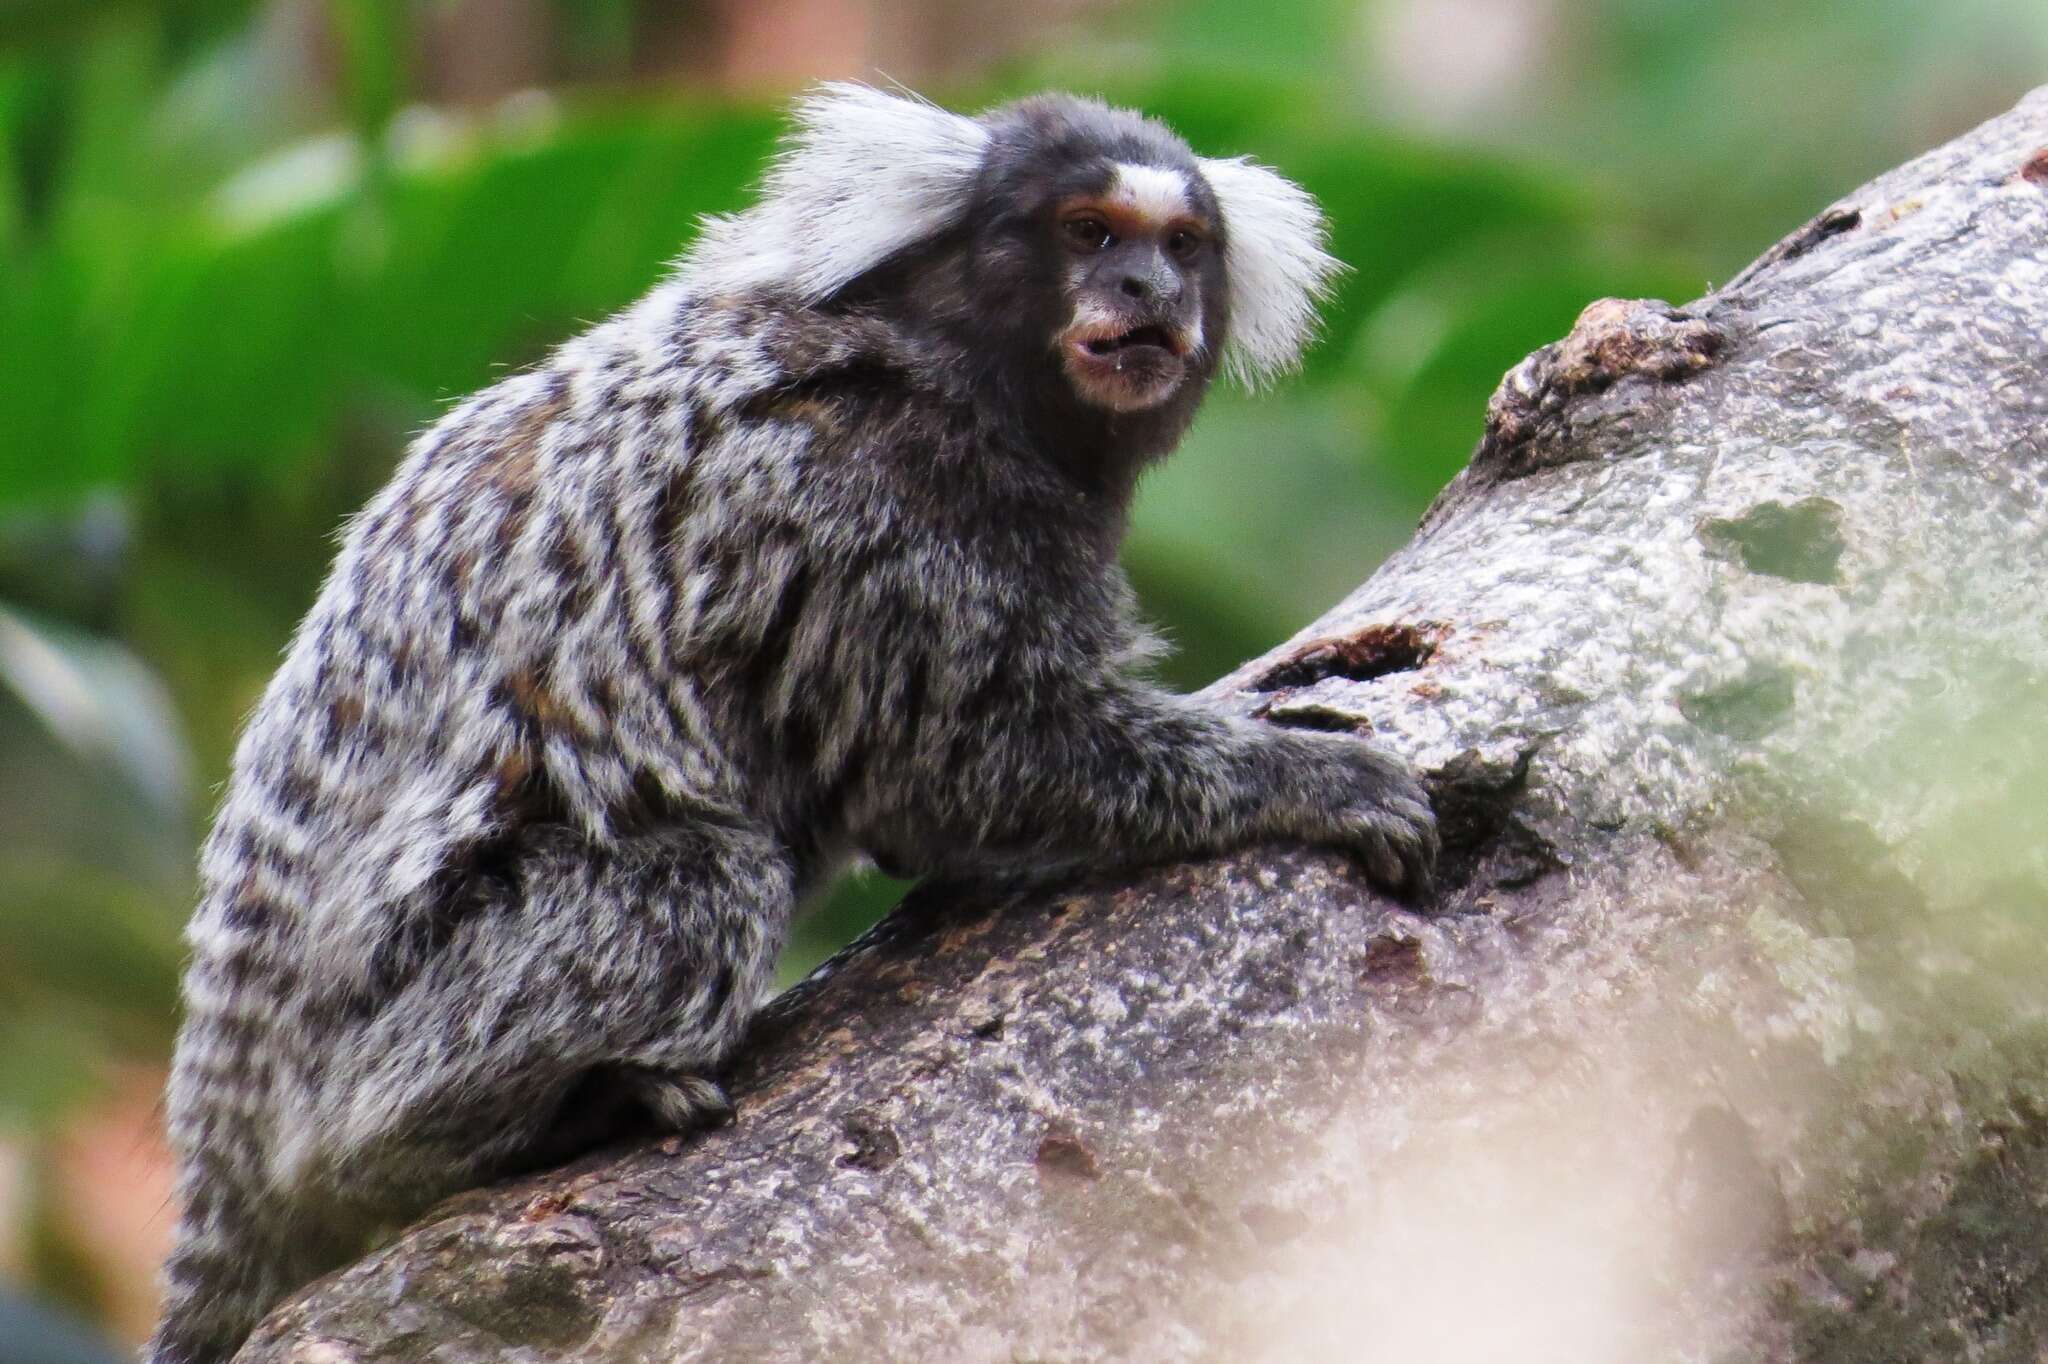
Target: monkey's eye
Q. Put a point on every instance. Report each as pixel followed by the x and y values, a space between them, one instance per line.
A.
pixel 1090 234
pixel 1183 243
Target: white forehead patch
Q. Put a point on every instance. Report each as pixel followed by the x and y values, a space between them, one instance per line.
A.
pixel 1152 192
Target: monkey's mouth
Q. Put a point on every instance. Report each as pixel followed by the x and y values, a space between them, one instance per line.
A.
pixel 1107 342
pixel 1137 338
pixel 1125 368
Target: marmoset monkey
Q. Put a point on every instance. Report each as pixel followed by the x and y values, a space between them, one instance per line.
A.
pixel 812 552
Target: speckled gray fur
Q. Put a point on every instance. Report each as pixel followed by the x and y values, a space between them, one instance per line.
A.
pixel 638 647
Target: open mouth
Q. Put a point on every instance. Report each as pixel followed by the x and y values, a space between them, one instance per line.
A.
pixel 1123 368
pixel 1150 335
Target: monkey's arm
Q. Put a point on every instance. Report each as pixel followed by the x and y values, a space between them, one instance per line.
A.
pixel 1105 769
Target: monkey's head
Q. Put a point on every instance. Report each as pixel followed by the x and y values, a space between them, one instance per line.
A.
pixel 1101 240
pixel 1089 259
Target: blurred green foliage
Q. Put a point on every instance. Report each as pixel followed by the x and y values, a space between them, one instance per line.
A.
pixel 227 297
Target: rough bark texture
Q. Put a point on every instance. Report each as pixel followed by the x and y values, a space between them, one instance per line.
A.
pixel 1726 1037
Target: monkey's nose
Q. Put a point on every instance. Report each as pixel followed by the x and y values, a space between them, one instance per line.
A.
pixel 1136 287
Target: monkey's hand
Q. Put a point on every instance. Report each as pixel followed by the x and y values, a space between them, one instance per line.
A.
pixel 1375 807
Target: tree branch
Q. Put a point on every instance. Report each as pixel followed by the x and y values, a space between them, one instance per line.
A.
pixel 1725 1034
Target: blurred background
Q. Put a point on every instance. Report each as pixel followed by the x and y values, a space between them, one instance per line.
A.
pixel 248 246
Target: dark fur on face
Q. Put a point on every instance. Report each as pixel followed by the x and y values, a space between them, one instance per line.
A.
pixel 1019 303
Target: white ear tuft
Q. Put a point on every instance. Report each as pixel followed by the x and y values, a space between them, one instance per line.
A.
pixel 863 175
pixel 1274 235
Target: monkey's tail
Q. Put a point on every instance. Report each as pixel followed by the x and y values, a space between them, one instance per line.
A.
pixel 241 1244
pixel 225 1271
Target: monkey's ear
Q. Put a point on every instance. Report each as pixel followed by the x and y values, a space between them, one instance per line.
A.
pixel 1274 235
pixel 861 176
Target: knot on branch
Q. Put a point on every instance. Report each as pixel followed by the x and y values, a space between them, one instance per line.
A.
pixel 1614 339
pixel 1539 418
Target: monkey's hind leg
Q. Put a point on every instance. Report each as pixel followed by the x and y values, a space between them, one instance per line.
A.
pixel 726 919
pixel 624 967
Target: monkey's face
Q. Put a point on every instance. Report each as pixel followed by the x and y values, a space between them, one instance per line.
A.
pixel 1138 260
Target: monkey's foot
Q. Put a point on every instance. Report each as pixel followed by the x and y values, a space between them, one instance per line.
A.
pixel 679 1101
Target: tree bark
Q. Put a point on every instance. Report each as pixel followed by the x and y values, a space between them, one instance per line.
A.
pixel 1725 1036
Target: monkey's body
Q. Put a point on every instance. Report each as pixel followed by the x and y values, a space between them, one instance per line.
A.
pixel 632 653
